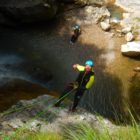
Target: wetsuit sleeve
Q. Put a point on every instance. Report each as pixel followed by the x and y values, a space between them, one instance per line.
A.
pixel 90 82
pixel 80 67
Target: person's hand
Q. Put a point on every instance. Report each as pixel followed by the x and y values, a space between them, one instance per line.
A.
pixel 75 84
pixel 74 66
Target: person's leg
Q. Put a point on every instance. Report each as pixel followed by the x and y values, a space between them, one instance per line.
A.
pixel 77 98
pixel 64 93
pixel 72 40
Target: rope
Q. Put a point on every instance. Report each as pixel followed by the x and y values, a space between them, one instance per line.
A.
pixel 31 105
pixel 65 95
pixel 41 113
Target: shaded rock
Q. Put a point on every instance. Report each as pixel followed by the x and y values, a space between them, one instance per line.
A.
pixel 131 49
pixel 26 11
pixel 129 37
pixel 67 1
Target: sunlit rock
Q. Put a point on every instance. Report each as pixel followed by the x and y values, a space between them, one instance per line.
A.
pixel 126 15
pixel 129 37
pixel 127 29
pixel 96 14
pixel 137 69
pixel 105 26
pixel 126 22
pixel 114 20
pixel 129 5
pixel 131 49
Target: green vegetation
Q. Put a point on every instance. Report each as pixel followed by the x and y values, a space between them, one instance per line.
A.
pixel 82 132
pixel 86 132
pixel 35 136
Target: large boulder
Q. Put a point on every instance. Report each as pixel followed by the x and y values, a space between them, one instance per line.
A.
pixel 26 11
pixel 132 17
pixel 131 49
pixel 33 115
pixel 129 5
pixel 95 14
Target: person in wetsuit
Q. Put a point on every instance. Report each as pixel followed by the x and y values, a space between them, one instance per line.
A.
pixel 76 33
pixel 83 82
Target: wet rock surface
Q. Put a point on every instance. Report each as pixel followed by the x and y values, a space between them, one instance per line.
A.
pixel 26 11
pixel 131 49
pixel 39 115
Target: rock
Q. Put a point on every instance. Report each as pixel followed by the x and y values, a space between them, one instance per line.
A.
pixel 35 125
pixel 118 30
pixel 89 2
pixel 138 37
pixel 126 22
pixel 129 37
pixel 109 2
pixel 95 14
pixel 13 123
pixel 126 15
pixel 55 117
pixel 114 20
pixel 133 15
pixel 128 5
pixel 131 49
pixel 137 69
pixel 127 29
pixel 105 26
pixel 119 35
pixel 27 11
pixel 130 23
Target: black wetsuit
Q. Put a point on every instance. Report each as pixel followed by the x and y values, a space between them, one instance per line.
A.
pixel 75 35
pixel 82 80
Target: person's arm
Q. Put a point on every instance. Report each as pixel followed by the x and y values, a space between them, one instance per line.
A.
pixel 79 67
pixel 90 82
